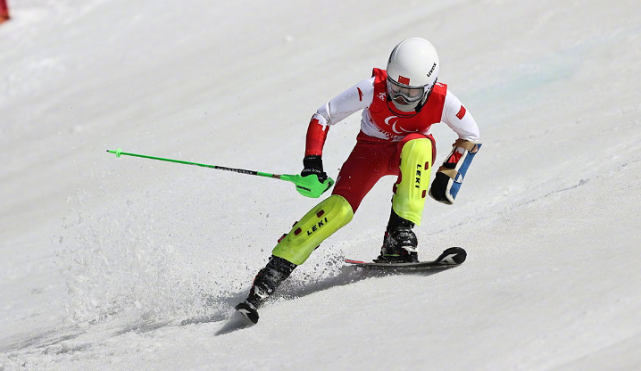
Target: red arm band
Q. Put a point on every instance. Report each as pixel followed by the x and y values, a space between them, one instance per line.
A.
pixel 316 135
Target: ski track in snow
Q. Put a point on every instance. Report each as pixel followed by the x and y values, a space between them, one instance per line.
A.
pixel 130 264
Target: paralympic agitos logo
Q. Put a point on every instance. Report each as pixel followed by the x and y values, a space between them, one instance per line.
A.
pixel 393 125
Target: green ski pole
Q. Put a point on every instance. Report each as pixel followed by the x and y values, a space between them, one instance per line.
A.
pixel 307 186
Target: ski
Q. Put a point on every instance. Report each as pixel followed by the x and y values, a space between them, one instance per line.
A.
pixel 452 257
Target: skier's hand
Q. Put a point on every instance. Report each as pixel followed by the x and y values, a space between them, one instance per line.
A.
pixel 440 189
pixel 313 165
pixel 313 181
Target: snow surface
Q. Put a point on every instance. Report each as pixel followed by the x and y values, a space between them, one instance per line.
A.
pixel 103 258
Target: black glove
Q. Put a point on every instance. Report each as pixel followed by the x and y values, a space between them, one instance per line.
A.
pixel 438 189
pixel 314 166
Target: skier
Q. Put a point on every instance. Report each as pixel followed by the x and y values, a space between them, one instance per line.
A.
pixel 399 106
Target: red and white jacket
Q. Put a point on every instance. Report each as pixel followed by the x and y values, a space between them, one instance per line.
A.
pixel 379 122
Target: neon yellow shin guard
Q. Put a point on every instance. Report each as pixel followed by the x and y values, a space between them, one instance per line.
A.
pixel 416 166
pixel 318 224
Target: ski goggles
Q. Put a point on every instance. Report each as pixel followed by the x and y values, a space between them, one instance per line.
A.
pixel 409 93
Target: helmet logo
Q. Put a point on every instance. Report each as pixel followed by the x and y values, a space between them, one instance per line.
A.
pixel 432 70
pixel 404 80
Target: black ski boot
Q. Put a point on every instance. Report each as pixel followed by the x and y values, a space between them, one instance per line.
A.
pixel 400 243
pixel 267 280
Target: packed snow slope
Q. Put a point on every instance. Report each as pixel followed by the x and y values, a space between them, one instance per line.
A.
pixel 103 258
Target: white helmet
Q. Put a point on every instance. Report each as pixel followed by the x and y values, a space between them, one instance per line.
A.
pixel 412 71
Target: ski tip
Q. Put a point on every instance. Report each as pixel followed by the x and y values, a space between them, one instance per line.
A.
pixel 453 256
pixel 248 311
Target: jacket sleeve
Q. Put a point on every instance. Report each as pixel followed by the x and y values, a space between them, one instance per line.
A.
pixel 337 109
pixel 459 119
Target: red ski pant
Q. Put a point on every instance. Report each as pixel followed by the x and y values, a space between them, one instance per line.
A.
pixel 370 160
